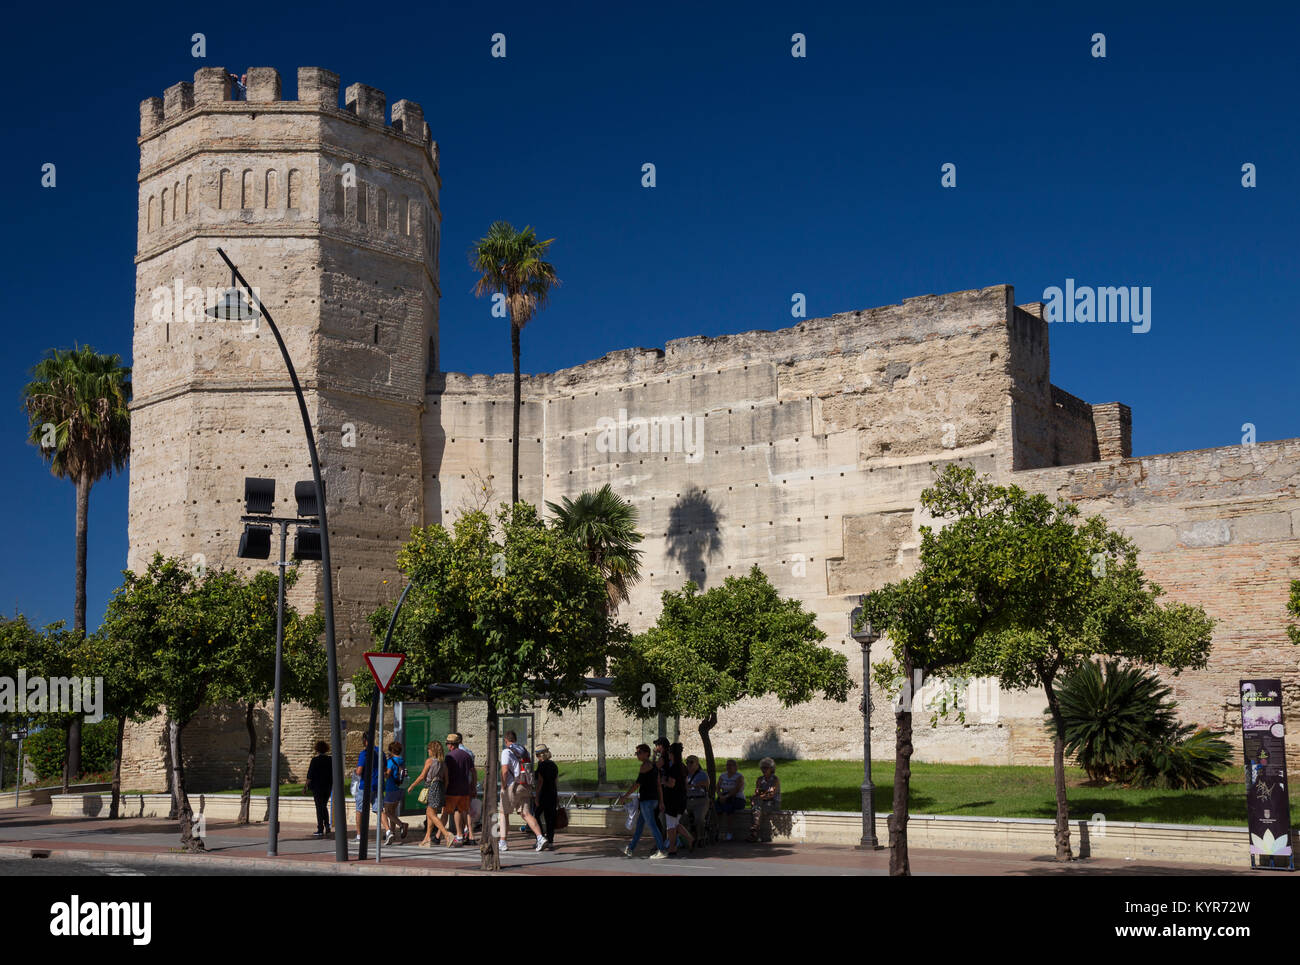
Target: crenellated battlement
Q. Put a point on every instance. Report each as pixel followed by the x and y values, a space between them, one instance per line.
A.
pixel 318 90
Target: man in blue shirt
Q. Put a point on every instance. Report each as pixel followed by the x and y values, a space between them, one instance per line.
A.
pixel 357 775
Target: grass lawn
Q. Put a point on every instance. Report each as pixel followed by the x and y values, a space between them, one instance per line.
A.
pixel 960 789
pixel 967 789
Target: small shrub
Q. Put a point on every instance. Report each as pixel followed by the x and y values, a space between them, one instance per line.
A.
pixel 1191 760
pixel 1120 726
pixel 1109 717
pixel 47 748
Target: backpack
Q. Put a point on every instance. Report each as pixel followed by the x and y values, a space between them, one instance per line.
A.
pixel 525 764
pixel 398 770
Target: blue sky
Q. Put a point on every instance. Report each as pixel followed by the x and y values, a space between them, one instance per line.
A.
pixel 775 175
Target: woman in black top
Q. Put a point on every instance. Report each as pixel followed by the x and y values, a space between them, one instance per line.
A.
pixel 320 781
pixel 548 793
pixel 647 786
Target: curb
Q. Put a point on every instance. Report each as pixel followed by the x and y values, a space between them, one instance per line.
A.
pixel 352 867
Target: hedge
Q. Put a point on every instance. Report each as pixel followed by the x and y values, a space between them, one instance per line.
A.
pixel 47 748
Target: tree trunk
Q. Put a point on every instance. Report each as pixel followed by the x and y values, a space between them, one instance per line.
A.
pixel 79 612
pixel 600 741
pixel 171 774
pixel 189 841
pixel 115 806
pixel 898 860
pixel 710 764
pixel 490 856
pixel 248 765
pixel 1063 852
pixel 514 440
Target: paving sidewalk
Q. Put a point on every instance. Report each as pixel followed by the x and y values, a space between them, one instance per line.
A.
pixel 230 846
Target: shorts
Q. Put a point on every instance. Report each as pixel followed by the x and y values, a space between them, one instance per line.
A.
pixel 374 801
pixel 516 798
pixel 672 820
pixel 457 802
pixel 394 797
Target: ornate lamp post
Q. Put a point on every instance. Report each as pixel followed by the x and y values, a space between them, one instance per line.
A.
pixel 866 635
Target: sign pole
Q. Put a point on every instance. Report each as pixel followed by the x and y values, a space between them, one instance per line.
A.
pixel 18 775
pixel 381 758
pixel 383 667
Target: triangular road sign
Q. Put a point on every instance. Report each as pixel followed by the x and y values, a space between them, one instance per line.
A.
pixel 383 667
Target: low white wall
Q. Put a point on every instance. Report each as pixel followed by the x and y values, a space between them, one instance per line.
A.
pixel 1120 840
pixel 43 795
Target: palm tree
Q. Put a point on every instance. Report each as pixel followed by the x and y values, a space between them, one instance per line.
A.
pixel 77 408
pixel 604 524
pixel 511 263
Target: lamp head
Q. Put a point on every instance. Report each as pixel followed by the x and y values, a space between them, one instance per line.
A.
pixel 232 306
pixel 867 634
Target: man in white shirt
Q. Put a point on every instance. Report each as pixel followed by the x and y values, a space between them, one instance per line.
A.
pixel 516 791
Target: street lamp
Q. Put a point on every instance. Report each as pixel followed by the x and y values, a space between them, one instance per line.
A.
pixel 255 544
pixel 866 636
pixel 233 307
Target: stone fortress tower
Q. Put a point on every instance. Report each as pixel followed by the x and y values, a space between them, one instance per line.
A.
pixel 802 451
pixel 332 213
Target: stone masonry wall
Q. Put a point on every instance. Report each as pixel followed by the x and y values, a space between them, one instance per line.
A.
pixel 332 215
pixel 801 451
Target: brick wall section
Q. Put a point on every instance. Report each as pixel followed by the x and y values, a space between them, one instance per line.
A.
pixel 1113 423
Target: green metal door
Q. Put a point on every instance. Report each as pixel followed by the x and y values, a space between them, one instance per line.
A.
pixel 421 723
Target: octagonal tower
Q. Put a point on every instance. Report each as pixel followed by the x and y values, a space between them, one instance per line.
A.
pixel 332 214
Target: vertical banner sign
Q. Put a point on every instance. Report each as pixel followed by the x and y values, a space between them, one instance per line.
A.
pixel 1268 813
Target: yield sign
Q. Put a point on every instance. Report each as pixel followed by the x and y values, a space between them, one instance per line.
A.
pixel 383 667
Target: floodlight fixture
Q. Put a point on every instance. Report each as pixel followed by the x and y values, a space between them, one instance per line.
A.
pixel 306 543
pixel 255 543
pixel 305 493
pixel 259 496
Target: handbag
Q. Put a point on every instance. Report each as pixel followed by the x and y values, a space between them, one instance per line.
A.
pixel 424 795
pixel 561 818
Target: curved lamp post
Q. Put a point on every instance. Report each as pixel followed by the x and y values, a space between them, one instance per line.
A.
pixel 233 307
pixel 865 637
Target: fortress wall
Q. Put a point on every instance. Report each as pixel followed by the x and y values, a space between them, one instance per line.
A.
pixel 1218 528
pixel 809 440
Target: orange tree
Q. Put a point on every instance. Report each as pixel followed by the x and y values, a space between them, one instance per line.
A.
pixel 514 611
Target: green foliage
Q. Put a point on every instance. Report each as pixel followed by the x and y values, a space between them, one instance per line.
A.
pixel 49 653
pixel 1015 587
pixel 246 671
pixel 1121 726
pixel 1188 758
pixel 710 649
pixel 180 624
pixel 604 525
pixel 1293 608
pixel 513 263
pixel 514 611
pixel 127 672
pixel 47 748
pixel 84 395
pixel 1109 717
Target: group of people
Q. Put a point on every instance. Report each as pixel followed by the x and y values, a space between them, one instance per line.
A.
pixel 678 788
pixel 449 782
pixel 667 784
pixel 449 777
